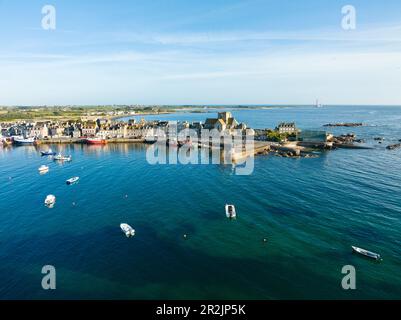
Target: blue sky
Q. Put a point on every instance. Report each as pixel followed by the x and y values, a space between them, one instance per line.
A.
pixel 200 52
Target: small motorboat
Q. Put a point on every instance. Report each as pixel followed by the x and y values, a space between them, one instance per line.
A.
pixel 367 253
pixel 187 143
pixel 60 157
pixel 43 169
pixel 150 139
pixel 230 211
pixel 49 152
pixel 50 201
pixel 172 142
pixel 20 141
pixel 72 180
pixel 127 229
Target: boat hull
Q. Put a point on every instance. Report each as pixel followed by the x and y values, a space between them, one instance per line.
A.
pixel 366 253
pixel 48 153
pixel 231 212
pixel 25 142
pixel 66 159
pixel 127 229
pixel 72 180
pixel 96 141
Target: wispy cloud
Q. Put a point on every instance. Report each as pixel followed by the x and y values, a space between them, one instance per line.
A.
pixel 363 34
pixel 229 66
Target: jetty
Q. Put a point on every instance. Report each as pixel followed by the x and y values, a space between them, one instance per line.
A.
pixel 289 149
pixel 260 147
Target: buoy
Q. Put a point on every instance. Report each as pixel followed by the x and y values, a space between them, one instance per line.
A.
pixel 185 236
pixel 265 240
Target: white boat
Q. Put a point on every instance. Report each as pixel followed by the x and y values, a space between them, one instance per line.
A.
pixel 150 139
pixel 60 157
pixel 72 180
pixel 50 201
pixel 22 141
pixel 230 211
pixel 49 152
pixel 127 229
pixel 366 253
pixel 43 169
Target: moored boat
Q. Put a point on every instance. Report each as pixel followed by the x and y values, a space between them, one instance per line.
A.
pixel 151 139
pixel 95 141
pixel 43 169
pixel 127 229
pixel 24 141
pixel 187 143
pixel 172 142
pixel 230 211
pixel 366 253
pixel 72 180
pixel 50 201
pixel 49 152
pixel 60 157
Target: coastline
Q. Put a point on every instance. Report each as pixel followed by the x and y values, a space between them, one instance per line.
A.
pixel 81 141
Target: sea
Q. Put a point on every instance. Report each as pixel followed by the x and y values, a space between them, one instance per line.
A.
pixel 296 218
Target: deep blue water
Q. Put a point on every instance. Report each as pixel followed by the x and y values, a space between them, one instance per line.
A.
pixel 310 210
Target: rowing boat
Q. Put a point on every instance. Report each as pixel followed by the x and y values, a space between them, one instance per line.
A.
pixel 366 253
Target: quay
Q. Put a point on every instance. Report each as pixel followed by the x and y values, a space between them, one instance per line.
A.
pixel 263 147
pixel 82 140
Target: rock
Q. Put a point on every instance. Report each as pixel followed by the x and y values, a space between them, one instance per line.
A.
pixel 347 124
pixel 393 146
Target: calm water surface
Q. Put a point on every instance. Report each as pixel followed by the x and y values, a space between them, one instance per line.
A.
pixel 310 210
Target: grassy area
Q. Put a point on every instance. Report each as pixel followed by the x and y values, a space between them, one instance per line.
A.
pixel 13 115
pixel 9 114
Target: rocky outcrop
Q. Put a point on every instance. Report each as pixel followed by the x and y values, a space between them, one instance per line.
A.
pixel 393 146
pixel 346 124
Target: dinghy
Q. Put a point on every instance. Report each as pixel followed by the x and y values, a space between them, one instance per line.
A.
pixel 50 201
pixel 60 157
pixel 366 253
pixel 72 180
pixel 49 152
pixel 230 211
pixel 43 169
pixel 127 229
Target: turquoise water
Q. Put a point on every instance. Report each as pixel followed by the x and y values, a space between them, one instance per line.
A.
pixel 310 210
